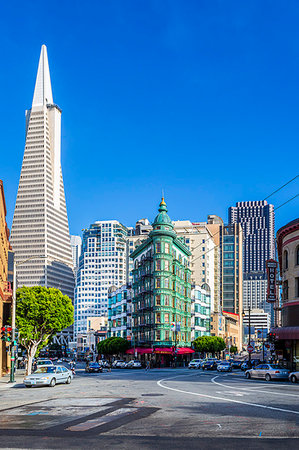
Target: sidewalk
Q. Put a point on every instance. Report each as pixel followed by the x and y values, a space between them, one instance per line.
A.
pixel 19 376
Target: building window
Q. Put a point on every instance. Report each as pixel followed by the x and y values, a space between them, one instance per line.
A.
pixel 297 256
pixel 158 282
pixel 166 265
pixel 297 287
pixel 166 335
pixel 158 335
pixel 158 247
pixel 158 300
pixel 166 318
pixel 158 318
pixel 166 300
pixel 158 264
pixel 166 283
pixel 285 260
pixel 285 290
pixel 166 247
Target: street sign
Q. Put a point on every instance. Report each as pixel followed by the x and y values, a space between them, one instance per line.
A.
pixel 129 338
pixel 250 348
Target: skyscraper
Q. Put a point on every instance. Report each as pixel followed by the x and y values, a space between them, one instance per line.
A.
pixel 257 221
pixel 40 230
pixel 76 244
pixel 102 264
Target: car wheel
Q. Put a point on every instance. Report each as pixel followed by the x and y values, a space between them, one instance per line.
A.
pixel 248 376
pixel 27 386
pixel 52 382
pixel 268 377
pixel 68 381
pixel 293 380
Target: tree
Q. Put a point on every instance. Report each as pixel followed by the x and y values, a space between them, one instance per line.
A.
pixel 209 344
pixel 233 349
pixel 113 345
pixel 40 314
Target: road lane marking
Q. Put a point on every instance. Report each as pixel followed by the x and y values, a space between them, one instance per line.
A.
pixel 230 400
pixel 112 416
pixel 248 390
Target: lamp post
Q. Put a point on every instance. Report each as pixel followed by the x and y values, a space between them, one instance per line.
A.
pixel 249 333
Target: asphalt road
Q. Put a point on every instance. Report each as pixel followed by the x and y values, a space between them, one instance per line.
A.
pixel 161 408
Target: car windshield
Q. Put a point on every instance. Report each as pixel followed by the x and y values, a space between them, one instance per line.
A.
pixel 275 366
pixel 43 363
pixel 45 370
pixel 195 360
pixel 93 364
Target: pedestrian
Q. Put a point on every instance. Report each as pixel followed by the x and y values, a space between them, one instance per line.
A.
pixel 148 366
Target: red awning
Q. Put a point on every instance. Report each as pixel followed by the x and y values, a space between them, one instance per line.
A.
pixel 185 351
pixel 139 350
pixel 286 333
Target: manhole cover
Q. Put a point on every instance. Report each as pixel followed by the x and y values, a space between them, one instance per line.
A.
pixel 152 395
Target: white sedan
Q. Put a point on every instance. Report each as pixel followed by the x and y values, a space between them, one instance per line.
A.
pixel 48 376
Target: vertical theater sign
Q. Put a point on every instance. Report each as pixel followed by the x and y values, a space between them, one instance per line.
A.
pixel 271 266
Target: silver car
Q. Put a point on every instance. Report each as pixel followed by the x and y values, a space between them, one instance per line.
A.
pixel 195 364
pixel 294 377
pixel 48 376
pixel 268 372
pixel 134 364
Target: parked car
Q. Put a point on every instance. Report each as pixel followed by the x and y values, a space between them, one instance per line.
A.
pixel 44 362
pixel 236 364
pixel 104 363
pixel 118 364
pixel 245 366
pixel 294 377
pixel 209 364
pixel 195 364
pixel 224 366
pixel 48 376
pixel 93 367
pixel 268 372
pixel 134 364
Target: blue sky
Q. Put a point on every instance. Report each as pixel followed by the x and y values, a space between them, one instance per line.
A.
pixel 199 98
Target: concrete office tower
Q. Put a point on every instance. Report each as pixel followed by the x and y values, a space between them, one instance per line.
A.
pixel 76 244
pixel 40 224
pixel 102 264
pixel 258 223
pixel 202 239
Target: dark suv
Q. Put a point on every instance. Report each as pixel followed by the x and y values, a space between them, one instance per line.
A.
pixel 210 364
pixel 93 367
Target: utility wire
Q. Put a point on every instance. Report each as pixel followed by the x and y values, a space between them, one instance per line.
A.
pixel 290 199
pixel 281 187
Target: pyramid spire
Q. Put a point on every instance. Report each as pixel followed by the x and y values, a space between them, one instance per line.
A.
pixel 43 90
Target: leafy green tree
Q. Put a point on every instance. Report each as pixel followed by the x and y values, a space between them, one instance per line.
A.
pixel 40 314
pixel 209 344
pixel 233 349
pixel 113 346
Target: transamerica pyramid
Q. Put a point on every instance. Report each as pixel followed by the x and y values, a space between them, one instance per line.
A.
pixel 40 229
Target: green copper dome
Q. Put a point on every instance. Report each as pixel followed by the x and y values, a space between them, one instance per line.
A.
pixel 162 219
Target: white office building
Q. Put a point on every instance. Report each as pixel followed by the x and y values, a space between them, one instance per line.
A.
pixel 40 230
pixel 76 244
pixel 102 264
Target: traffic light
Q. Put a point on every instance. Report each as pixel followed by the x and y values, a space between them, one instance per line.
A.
pixel 8 334
pixel 271 337
pixel 3 334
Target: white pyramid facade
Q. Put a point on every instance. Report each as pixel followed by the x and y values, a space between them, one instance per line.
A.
pixel 40 223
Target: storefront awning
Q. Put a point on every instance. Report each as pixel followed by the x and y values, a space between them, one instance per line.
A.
pixel 185 351
pixel 286 333
pixel 139 350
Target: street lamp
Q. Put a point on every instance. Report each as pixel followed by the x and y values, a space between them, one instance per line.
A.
pixel 249 332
